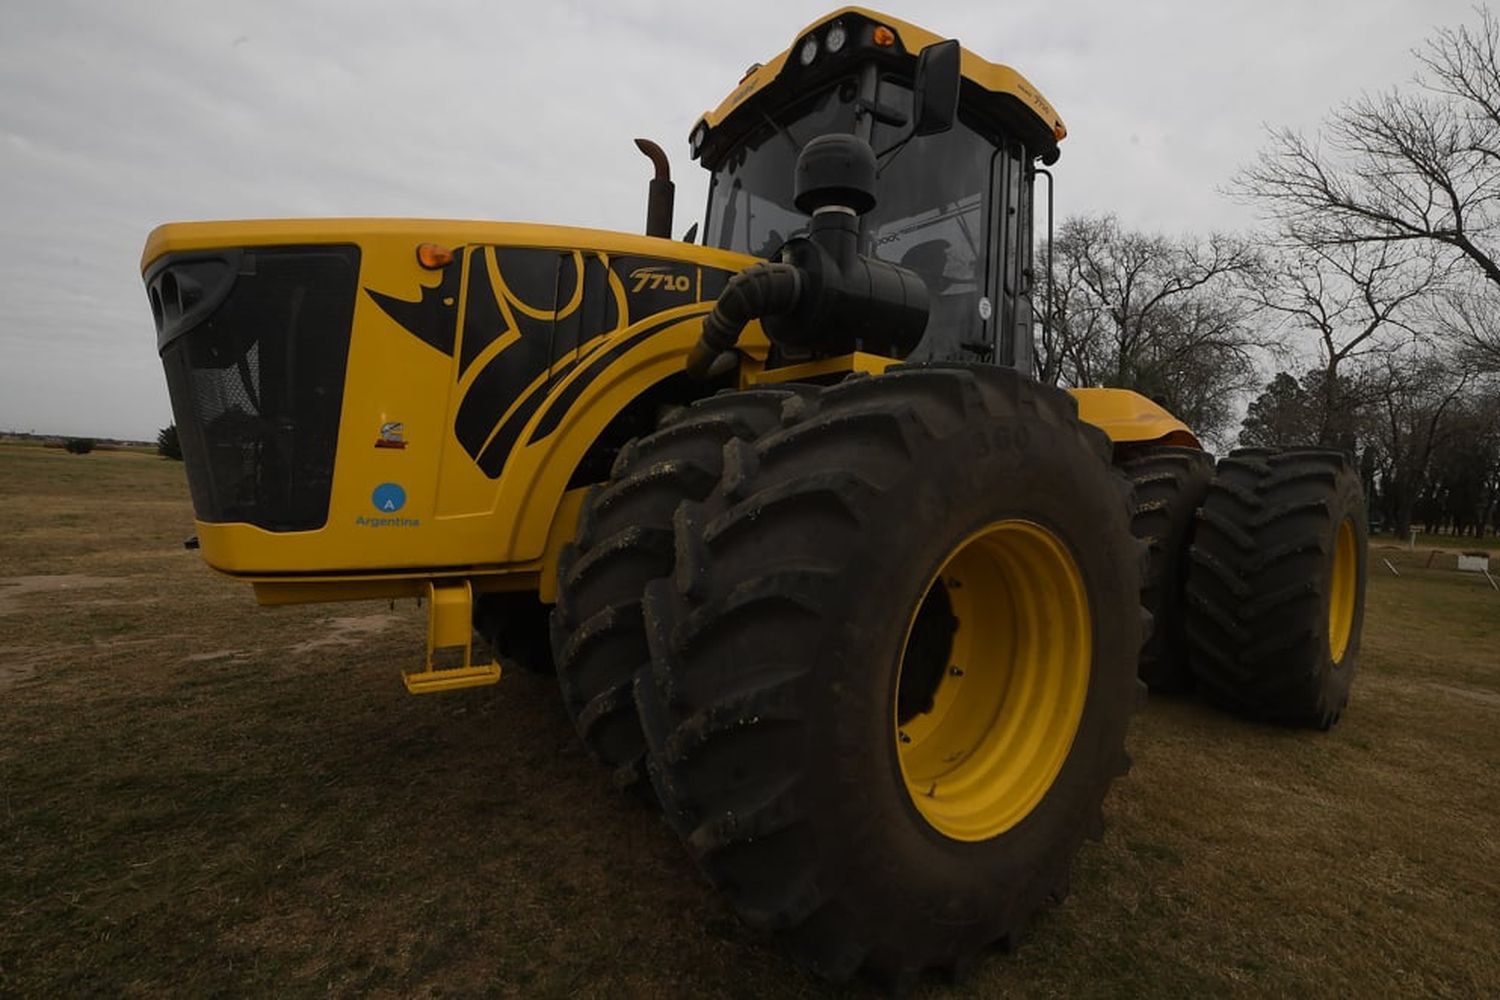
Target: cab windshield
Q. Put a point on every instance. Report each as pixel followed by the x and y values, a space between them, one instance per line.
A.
pixel 934 214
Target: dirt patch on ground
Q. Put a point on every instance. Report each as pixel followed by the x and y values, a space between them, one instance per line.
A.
pixel 349 631
pixel 1469 694
pixel 1424 688
pixel 220 654
pixel 13 588
pixel 15 669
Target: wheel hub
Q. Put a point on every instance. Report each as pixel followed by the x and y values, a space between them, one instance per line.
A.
pixel 983 729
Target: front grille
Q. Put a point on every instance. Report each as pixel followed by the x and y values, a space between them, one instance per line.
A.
pixel 255 344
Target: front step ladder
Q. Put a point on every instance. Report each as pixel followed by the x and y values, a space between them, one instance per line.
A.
pixel 450 632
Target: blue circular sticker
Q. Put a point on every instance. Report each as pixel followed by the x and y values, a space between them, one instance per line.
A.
pixel 388 498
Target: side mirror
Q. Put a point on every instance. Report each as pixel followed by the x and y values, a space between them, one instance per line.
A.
pixel 935 89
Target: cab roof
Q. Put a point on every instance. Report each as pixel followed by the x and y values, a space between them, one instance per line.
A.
pixel 989 89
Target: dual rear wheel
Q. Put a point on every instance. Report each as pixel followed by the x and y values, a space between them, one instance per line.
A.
pixel 1276 589
pixel 1255 578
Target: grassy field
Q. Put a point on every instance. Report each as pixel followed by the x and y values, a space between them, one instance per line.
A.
pixel 198 796
pixel 1444 543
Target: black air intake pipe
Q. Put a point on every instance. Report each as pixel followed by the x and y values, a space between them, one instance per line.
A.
pixel 823 296
pixel 757 291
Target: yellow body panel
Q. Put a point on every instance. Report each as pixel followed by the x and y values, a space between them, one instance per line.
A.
pixel 993 77
pixel 177 236
pixel 456 516
pixel 753 373
pixel 1130 418
pixel 501 526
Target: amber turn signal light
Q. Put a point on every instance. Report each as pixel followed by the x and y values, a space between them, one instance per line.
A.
pixel 432 256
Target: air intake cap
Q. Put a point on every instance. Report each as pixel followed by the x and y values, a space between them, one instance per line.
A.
pixel 837 170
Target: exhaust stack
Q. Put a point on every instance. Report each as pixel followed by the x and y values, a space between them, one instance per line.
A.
pixel 662 193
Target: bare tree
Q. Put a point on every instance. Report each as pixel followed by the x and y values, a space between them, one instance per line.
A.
pixel 1471 316
pixel 1145 312
pixel 1416 421
pixel 1070 319
pixel 1354 300
pixel 1198 362
pixel 1397 201
pixel 1420 165
pixel 1462 493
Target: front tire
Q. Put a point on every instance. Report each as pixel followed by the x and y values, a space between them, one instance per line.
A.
pixel 624 540
pixel 893 670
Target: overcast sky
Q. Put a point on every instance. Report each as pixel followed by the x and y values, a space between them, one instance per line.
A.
pixel 115 117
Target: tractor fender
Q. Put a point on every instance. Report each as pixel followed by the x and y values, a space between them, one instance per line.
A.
pixel 1130 418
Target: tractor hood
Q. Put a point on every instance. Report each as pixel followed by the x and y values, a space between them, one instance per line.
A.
pixel 324 374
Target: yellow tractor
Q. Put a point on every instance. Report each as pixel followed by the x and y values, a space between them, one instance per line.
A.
pixel 805 544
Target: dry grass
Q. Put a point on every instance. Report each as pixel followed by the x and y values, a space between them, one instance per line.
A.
pixel 198 796
pixel 1425 543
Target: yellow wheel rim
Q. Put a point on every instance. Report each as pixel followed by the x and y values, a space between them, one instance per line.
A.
pixel 982 732
pixel 1341 590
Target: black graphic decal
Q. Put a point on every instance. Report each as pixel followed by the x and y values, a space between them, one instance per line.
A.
pixel 711 281
pixel 596 365
pixel 483 320
pixel 652 284
pixel 531 276
pixel 432 318
pixel 567 284
pixel 506 375
pixel 595 316
pixel 492 459
pixel 570 305
pixel 537 296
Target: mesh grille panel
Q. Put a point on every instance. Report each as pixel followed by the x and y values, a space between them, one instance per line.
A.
pixel 257 386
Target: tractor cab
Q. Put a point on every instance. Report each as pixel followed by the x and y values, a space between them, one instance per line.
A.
pixel 954 137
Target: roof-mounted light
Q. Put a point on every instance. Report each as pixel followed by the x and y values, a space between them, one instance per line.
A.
pixel 883 36
pixel 809 50
pixel 837 36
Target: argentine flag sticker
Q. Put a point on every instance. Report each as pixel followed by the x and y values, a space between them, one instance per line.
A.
pixel 388 498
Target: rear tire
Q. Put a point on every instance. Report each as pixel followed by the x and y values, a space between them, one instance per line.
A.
pixel 1170 484
pixel 893 669
pixel 1276 590
pixel 624 540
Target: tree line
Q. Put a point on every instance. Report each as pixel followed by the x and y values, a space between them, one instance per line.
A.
pixel 1371 296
